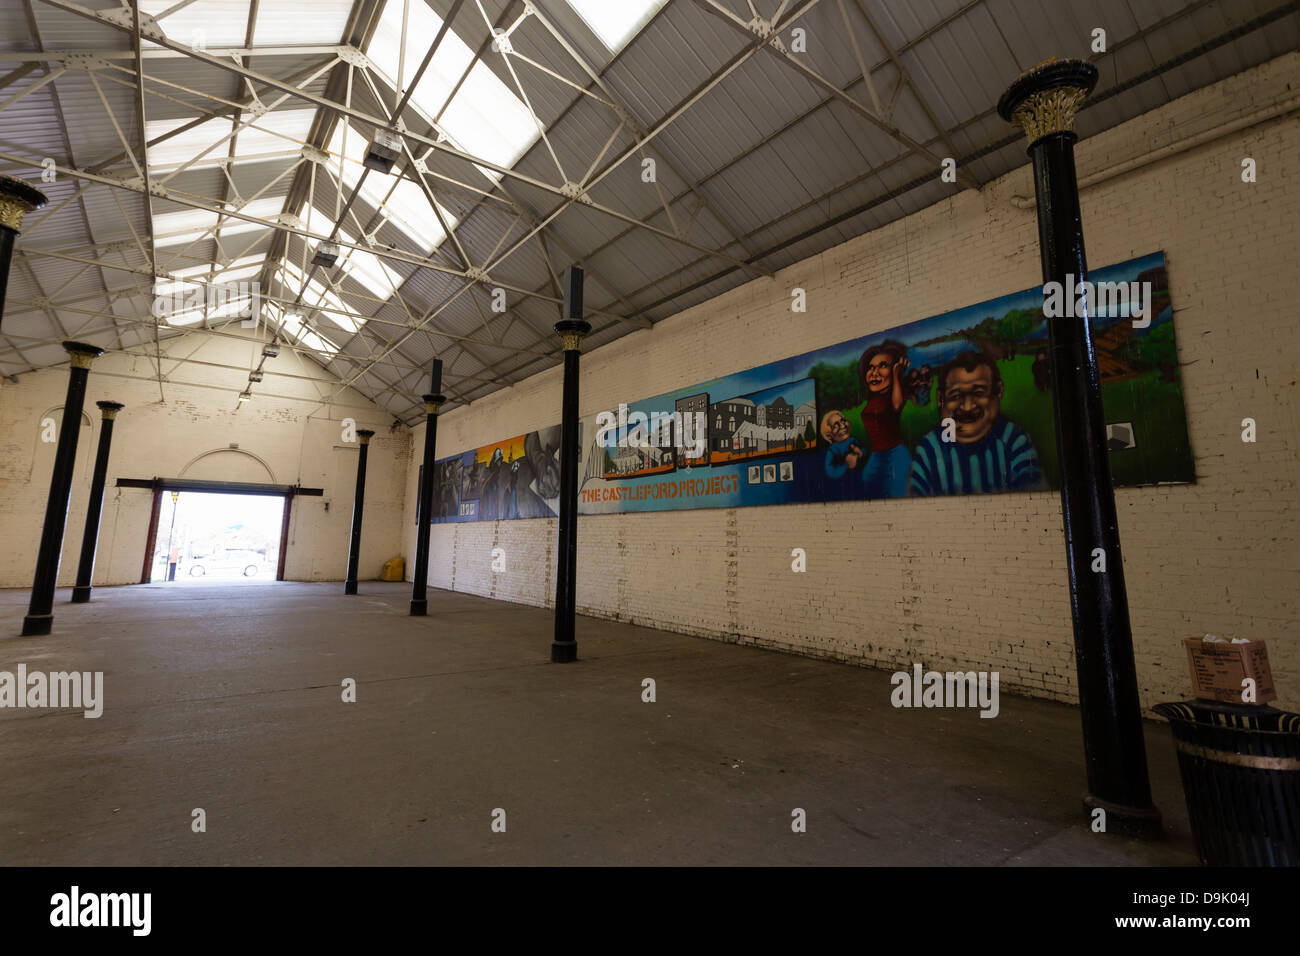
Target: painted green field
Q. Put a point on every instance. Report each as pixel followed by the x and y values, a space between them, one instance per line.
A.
pixel 1157 404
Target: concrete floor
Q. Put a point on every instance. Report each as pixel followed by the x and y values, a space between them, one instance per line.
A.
pixel 229 700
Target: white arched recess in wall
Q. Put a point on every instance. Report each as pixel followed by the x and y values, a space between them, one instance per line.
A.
pixel 229 464
pixel 56 413
pixel 42 457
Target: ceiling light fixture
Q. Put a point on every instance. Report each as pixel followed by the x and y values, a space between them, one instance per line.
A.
pixel 383 151
pixel 327 253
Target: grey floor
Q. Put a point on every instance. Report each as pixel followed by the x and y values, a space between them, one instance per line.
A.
pixel 229 699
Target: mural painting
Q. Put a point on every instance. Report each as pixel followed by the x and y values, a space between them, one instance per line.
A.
pixel 515 478
pixel 959 403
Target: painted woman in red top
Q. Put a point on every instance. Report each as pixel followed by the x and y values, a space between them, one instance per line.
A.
pixel 881 368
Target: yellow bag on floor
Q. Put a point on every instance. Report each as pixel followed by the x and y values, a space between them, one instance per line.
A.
pixel 394 570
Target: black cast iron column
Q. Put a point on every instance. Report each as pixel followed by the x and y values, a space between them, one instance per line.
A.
pixel 40 616
pixel 358 507
pixel 571 330
pixel 424 515
pixel 1043 102
pixel 90 537
pixel 17 199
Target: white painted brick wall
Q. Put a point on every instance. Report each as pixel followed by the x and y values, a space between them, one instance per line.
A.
pixel 285 425
pixel 972 582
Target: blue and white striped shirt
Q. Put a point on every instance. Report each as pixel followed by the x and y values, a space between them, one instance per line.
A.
pixel 1003 460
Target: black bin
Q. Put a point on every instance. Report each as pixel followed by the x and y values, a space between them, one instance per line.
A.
pixel 1241 774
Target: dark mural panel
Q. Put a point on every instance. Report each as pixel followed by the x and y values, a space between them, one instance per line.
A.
pixel 959 403
pixel 515 478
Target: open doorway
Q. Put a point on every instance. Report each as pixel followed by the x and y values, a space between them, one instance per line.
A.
pixel 207 537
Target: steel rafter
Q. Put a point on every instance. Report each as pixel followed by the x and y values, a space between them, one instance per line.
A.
pixel 108 18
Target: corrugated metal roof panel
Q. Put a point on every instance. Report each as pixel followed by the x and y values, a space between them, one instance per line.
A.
pixel 60 30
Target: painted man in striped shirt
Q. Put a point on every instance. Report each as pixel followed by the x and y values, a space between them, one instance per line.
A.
pixel 984 451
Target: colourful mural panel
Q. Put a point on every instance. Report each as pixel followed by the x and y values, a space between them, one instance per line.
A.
pixel 959 403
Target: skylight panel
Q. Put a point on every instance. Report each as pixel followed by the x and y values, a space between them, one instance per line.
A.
pixel 408 208
pixel 234 275
pixel 179 303
pixel 183 302
pixel 239 269
pixel 261 208
pixel 202 24
pixel 281 22
pixel 485 118
pixel 332 307
pixel 173 228
pixel 183 147
pixel 278 131
pixel 368 269
pixel 317 298
pixel 291 322
pixel 232 305
pixel 173 290
pixel 488 120
pixel 443 72
pixel 207 145
pixel 616 21
pixel 295 327
pixel 181 320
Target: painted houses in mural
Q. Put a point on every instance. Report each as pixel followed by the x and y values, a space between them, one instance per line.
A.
pixel 769 422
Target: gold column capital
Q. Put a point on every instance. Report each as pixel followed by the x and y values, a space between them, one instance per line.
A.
pixel 1044 99
pixel 110 409
pixel 80 354
pixel 571 333
pixel 17 199
pixel 1051 111
pixel 364 435
pixel 433 403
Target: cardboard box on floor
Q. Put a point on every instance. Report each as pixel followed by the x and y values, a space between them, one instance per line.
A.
pixel 1218 670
